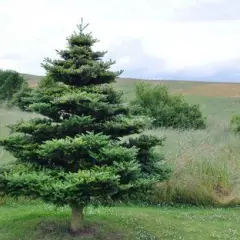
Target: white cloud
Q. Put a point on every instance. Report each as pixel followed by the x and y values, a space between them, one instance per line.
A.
pixel 145 37
pixel 196 44
pixel 211 11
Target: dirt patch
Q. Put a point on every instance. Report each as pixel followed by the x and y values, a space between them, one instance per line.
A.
pixel 54 229
pixel 50 228
pixel 215 90
pixel 89 231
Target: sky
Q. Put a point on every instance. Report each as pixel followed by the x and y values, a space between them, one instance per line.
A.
pixel 149 39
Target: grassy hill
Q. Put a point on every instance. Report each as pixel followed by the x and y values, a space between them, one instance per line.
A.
pixel 207 172
pixel 196 88
pixel 32 79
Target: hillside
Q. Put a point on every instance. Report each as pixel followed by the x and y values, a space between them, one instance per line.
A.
pixel 196 88
pixel 32 79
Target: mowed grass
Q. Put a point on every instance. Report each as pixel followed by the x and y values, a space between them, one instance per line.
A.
pixel 206 172
pixel 35 221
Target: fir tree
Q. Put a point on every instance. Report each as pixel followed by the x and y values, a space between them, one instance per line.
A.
pixel 71 154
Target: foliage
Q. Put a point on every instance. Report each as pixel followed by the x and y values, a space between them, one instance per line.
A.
pixel 167 110
pixel 18 98
pixel 10 83
pixel 150 168
pixel 147 156
pixel 72 155
pixel 235 123
pixel 46 82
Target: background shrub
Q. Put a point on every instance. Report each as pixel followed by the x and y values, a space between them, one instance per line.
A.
pixel 235 123
pixel 46 82
pixel 167 110
pixel 10 83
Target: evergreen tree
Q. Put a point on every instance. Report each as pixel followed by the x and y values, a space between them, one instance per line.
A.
pixel 72 154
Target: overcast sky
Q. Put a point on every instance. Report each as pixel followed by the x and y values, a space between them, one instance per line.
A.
pixel 153 39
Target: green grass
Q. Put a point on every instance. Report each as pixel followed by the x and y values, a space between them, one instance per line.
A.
pixel 40 221
pixel 217 108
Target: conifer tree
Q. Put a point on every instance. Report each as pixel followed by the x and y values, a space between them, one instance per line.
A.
pixel 71 154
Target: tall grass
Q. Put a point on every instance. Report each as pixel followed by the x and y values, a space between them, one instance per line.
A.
pixel 207 166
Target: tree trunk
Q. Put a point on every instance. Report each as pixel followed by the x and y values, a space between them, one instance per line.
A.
pixel 76 225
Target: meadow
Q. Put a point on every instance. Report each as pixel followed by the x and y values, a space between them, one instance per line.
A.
pixel 206 174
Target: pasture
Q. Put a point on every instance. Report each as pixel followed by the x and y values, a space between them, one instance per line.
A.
pixel 206 172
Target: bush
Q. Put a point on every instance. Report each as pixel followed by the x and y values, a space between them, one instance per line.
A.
pixel 147 156
pixel 235 123
pixel 167 110
pixel 10 83
pixel 19 98
pixel 152 162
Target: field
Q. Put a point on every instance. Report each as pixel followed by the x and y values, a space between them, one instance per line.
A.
pixel 206 173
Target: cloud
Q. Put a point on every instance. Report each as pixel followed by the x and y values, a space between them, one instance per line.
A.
pixel 131 57
pixel 216 10
pixel 147 38
pixel 226 71
pixel 10 56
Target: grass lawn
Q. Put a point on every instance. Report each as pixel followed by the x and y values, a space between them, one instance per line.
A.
pixel 33 221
